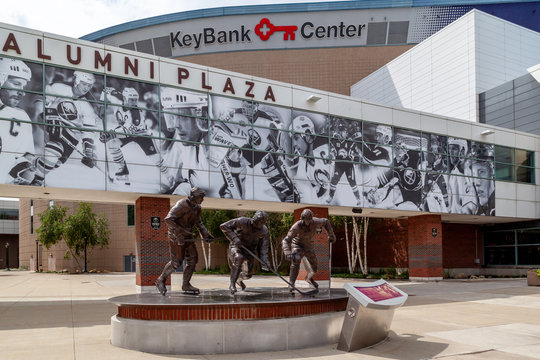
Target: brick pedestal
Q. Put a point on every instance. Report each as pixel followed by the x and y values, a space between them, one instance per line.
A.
pixel 152 248
pixel 321 247
pixel 425 248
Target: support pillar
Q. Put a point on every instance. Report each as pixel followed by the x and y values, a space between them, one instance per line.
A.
pixel 425 248
pixel 152 247
pixel 322 250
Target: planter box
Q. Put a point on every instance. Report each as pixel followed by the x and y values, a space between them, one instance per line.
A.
pixel 533 279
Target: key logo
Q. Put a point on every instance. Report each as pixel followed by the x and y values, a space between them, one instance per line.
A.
pixel 264 29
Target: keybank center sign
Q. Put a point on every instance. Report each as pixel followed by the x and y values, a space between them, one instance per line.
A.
pixel 286 31
pixel 264 30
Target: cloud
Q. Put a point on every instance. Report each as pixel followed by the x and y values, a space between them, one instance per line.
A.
pixel 75 18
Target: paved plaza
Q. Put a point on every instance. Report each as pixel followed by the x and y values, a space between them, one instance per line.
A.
pixel 60 316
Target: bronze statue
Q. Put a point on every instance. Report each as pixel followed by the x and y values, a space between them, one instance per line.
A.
pixel 299 243
pixel 180 221
pixel 251 234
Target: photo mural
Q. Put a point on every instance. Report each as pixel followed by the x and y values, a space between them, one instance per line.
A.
pixel 61 127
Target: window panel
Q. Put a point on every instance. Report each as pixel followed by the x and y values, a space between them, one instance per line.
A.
pixel 377 133
pixel 134 94
pixel 504 154
pixel 524 158
pixel 504 172
pixel 230 110
pixel 499 238
pixel 528 237
pixel 524 174
pixel 73 83
pixel 528 255
pixel 500 256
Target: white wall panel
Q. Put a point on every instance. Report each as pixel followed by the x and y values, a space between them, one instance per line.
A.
pixel 504 207
pixel 525 209
pixel 406 119
pixel 505 190
pixel 446 71
pixel 525 192
pixel 505 138
pixel 376 113
pixel 459 129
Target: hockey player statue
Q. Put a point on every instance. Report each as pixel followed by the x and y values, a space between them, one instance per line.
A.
pixel 299 244
pixel 250 233
pixel 180 221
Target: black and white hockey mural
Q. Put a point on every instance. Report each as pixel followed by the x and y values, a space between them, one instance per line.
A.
pixel 62 127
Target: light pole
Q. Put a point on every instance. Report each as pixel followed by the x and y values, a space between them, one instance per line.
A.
pixel 7 256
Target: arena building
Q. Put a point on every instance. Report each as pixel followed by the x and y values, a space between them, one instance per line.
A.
pixel 278 133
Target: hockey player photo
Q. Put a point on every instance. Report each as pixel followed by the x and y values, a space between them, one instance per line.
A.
pixel 230 152
pixel 185 152
pixel 404 190
pixel 254 159
pixel 308 160
pixel 133 159
pixel 377 147
pixel 346 151
pixel 67 148
pixel 435 196
pixel 482 168
pixel 463 199
pixel 16 137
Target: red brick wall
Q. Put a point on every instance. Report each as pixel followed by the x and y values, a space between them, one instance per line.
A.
pixel 459 242
pixel 425 250
pixel 387 244
pixel 152 247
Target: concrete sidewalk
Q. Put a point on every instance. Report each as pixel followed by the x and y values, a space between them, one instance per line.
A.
pixel 61 316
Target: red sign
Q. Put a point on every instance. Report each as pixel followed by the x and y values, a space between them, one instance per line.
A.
pixel 379 292
pixel 264 29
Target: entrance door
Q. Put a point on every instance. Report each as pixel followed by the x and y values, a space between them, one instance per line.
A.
pixel 129 263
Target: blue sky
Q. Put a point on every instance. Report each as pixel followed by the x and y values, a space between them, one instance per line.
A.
pixel 75 18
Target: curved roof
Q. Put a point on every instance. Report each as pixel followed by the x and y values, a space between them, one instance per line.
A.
pixel 281 8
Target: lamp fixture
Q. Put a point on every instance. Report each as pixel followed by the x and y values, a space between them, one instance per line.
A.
pixel 487 132
pixel 313 98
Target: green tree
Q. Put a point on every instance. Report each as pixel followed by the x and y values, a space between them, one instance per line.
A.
pixel 84 230
pixel 52 225
pixel 81 231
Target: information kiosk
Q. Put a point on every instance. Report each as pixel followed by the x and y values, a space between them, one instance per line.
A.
pixel 369 313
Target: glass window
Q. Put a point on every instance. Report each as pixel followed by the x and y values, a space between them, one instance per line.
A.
pixel 377 134
pixel 500 255
pixel 528 237
pixel 524 158
pixel 73 83
pixel 229 110
pixel 131 215
pixel 524 174
pixel 529 255
pixel 504 172
pixel 459 147
pixel 9 214
pixel 31 216
pixel 504 154
pixel 499 238
pixel 132 94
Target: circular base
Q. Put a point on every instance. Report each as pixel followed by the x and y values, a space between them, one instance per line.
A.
pixel 214 322
pixel 226 337
pixel 252 304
